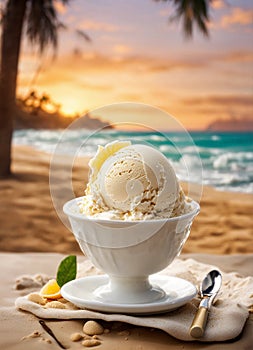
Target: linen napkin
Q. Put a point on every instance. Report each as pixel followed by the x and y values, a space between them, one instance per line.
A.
pixel 226 319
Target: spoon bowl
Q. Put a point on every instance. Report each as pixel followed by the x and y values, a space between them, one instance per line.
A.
pixel 211 284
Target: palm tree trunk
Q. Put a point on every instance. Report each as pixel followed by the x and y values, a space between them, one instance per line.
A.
pixel 10 49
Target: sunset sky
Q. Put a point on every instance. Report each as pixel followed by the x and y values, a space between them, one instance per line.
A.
pixel 137 55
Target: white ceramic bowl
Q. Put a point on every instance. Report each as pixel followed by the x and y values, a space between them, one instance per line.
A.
pixel 130 251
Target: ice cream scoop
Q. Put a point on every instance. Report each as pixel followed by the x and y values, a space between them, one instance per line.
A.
pixel 132 182
pixel 138 177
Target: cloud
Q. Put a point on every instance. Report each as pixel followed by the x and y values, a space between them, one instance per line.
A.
pixel 91 80
pixel 95 87
pixel 98 26
pixel 166 12
pixel 238 56
pixel 159 66
pixel 218 4
pixel 90 64
pixel 60 7
pixel 122 49
pixel 229 57
pixel 72 66
pixel 210 107
pixel 225 101
pixel 97 64
pixel 237 16
pixel 207 59
pixel 131 96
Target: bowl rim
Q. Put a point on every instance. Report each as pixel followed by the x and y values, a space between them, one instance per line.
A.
pixel 68 212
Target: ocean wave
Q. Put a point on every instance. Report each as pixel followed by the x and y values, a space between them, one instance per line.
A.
pixel 227 161
pixel 168 149
pixel 157 138
pixel 215 138
pixel 203 151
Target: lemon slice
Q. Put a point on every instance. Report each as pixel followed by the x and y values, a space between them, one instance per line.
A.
pixel 51 290
pixel 103 153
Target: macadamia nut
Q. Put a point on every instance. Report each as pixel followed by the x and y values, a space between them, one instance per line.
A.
pixel 93 328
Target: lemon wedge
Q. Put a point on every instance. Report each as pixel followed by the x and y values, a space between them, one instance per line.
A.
pixel 51 290
pixel 103 153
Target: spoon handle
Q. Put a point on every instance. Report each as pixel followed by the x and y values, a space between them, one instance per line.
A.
pixel 199 322
pixel 50 332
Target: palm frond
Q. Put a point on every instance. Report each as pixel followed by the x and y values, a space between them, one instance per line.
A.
pixel 83 35
pixel 62 26
pixel 201 15
pixel 42 23
pixel 191 12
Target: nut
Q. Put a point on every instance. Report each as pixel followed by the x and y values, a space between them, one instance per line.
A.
pixel 37 298
pixel 86 337
pixel 90 343
pixel 76 336
pixel 55 305
pixel 93 328
pixel 95 337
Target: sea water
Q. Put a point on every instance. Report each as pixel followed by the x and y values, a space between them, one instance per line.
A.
pixel 226 157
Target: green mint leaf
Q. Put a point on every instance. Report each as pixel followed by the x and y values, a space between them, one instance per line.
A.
pixel 67 270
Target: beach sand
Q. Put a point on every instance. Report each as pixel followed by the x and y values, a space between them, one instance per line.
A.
pixel 29 222
pixel 17 326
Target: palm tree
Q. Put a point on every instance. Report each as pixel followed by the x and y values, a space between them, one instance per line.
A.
pixel 39 21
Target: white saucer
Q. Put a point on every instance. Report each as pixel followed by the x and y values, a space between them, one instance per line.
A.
pixel 81 293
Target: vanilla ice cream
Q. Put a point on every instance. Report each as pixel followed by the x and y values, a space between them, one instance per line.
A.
pixel 132 182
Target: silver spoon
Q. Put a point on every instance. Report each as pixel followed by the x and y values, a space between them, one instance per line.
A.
pixel 208 290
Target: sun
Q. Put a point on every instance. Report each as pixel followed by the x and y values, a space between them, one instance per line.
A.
pixel 70 106
pixel 69 109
